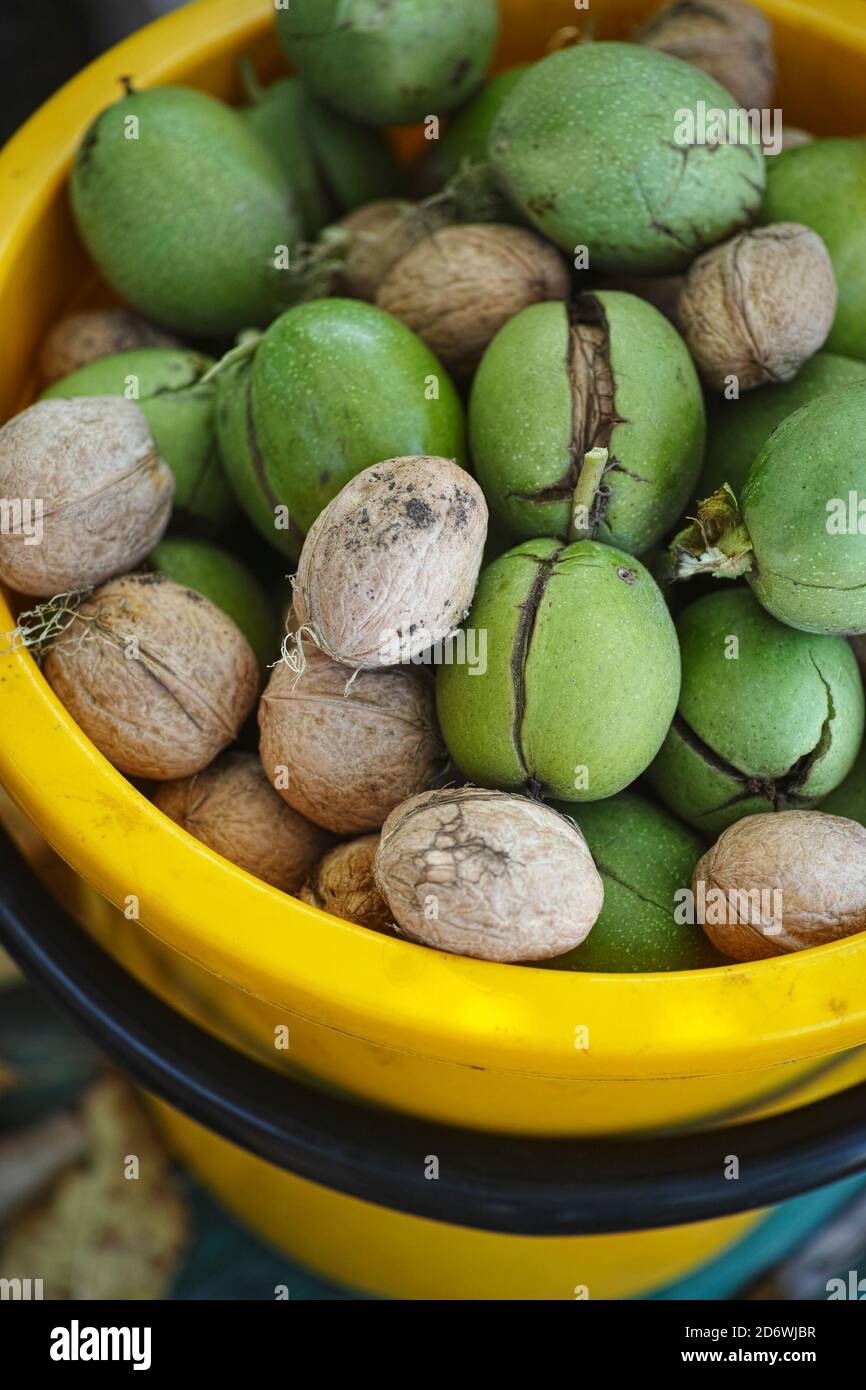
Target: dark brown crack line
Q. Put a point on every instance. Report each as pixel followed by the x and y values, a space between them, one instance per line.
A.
pixel 779 791
pixel 520 656
pixel 593 405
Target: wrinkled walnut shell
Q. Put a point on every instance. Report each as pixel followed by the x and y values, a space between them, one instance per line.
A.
pixel 488 874
pixel 815 862
pixel 389 568
pixel 343 884
pixel 457 288
pixel 105 493
pixel 156 676
pixel 346 758
pixel 81 338
pixel 232 808
pixel 730 40
pixel 758 306
pixel 379 234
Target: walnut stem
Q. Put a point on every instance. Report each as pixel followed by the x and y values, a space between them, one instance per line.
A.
pixel 249 341
pixel 586 489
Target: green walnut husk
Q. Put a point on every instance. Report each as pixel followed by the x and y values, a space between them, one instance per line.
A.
pixel 645 858
pixel 185 211
pixel 212 571
pixel 559 380
pixel 580 678
pixel 849 798
pixel 799 532
pixel 389 64
pixel 180 413
pixel 737 429
pixel 331 165
pixel 769 718
pixel 591 148
pixel 466 140
pixel 332 387
pixel 823 185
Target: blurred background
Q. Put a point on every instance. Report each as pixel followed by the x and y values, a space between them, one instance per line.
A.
pixel 44 42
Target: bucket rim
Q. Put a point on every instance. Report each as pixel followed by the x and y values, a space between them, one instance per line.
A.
pixel 736 1018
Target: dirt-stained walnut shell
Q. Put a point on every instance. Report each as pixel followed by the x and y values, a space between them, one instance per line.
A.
pixel 88 470
pixel 157 677
pixel 729 39
pixel 782 882
pixel 758 306
pixel 457 288
pixel 346 757
pixel 233 809
pixel 85 337
pixel 389 568
pixel 488 874
pixel 343 884
pixel 379 234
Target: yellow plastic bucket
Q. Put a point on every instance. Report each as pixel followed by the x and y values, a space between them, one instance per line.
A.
pixel 488 1046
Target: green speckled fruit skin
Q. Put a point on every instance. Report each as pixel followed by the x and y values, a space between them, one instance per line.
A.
pixel 334 386
pixel 849 798
pixel 222 578
pixel 582 674
pixel 774 729
pixel 181 418
pixel 823 185
pixel 331 165
pixel 806 576
pixel 390 63
pixel 521 423
pixel 645 857
pixel 184 221
pixel 586 146
pixel 738 429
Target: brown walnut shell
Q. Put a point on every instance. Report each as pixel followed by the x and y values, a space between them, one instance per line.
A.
pixel 346 757
pixel 157 677
pixel 85 337
pixel 782 882
pixel 104 492
pixel 729 39
pixel 343 884
pixel 379 234
pixel 457 288
pixel 389 568
pixel 758 306
pixel 232 808
pixel 488 874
